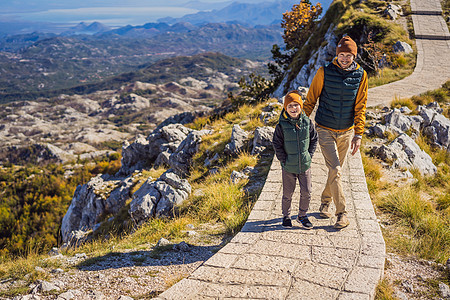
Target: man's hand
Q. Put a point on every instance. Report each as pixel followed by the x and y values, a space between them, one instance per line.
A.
pixel 356 143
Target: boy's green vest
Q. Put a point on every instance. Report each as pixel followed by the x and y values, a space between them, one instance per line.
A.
pixel 296 142
pixel 337 100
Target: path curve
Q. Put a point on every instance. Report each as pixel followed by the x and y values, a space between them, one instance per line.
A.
pixel 433 56
pixel 267 261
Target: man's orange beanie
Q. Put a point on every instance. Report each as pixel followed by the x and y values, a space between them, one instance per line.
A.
pixel 346 44
pixel 293 96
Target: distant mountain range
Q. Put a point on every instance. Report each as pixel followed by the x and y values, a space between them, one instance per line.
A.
pixel 264 13
pixel 36 65
pixel 251 13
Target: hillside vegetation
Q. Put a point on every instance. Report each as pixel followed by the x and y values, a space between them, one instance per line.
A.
pixel 366 23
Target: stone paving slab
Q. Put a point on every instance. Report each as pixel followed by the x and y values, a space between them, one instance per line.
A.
pixel 433 57
pixel 268 261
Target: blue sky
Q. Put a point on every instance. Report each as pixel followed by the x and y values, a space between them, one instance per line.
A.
pixel 110 12
pixel 24 16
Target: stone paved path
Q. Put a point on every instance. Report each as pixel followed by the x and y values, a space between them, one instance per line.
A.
pixel 267 261
pixel 433 56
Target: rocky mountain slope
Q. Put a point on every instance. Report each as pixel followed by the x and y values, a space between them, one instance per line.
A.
pixel 119 109
pixel 33 66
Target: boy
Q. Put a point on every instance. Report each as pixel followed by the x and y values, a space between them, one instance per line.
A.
pixel 294 141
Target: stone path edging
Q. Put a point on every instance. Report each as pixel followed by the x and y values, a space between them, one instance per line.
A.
pixel 433 56
pixel 267 261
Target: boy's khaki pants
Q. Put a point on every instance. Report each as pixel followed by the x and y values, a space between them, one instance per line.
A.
pixel 289 183
pixel 334 146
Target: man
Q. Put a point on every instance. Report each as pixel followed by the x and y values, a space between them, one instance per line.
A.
pixel 341 87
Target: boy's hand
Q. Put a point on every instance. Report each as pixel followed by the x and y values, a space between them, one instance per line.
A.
pixel 356 143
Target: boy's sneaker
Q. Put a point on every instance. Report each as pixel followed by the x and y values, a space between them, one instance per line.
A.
pixel 323 210
pixel 287 222
pixel 342 221
pixel 304 221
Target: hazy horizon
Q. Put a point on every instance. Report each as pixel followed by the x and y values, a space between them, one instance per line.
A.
pixel 113 13
pixel 24 16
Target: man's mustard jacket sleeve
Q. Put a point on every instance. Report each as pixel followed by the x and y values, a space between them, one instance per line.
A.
pixel 360 105
pixel 315 89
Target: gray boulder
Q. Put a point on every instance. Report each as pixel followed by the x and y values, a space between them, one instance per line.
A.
pixel 162 159
pixel 392 11
pixel 181 159
pixel 135 155
pixel 158 198
pixel 236 176
pixel 238 141
pixel 398 123
pixel 45 286
pixel 378 130
pixel 403 152
pixel 263 139
pixel 427 115
pixel 402 47
pixel 444 290
pixel 435 125
pixel 102 194
pixel 143 152
pixel 439 131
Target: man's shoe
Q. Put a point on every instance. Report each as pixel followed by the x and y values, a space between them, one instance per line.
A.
pixel 287 222
pixel 323 210
pixel 304 221
pixel 342 221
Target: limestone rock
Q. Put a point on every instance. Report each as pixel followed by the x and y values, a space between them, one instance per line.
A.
pixel 439 131
pixel 45 286
pixel 405 153
pixel 135 155
pixel 402 47
pixel 238 141
pixel 162 159
pixel 181 159
pixel 263 139
pixel 27 297
pixel 143 152
pixel 236 176
pixel 158 198
pixel 392 11
pixel 397 122
pixel 444 290
pixel 102 194
pixel 162 242
pixel 183 247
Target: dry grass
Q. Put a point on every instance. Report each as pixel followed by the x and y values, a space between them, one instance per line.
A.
pixel 417 214
pixel 384 291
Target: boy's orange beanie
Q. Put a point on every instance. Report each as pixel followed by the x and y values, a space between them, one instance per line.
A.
pixel 346 44
pixel 293 96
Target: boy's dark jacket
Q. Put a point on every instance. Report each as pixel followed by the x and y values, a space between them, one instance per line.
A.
pixel 294 142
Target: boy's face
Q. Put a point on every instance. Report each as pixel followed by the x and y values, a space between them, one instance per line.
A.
pixel 294 109
pixel 345 59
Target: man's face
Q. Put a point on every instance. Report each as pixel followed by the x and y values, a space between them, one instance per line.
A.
pixel 345 59
pixel 294 109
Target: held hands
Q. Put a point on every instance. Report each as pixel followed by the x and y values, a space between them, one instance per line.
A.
pixel 356 143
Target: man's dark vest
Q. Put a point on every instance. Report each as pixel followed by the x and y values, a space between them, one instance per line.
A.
pixel 296 143
pixel 337 100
